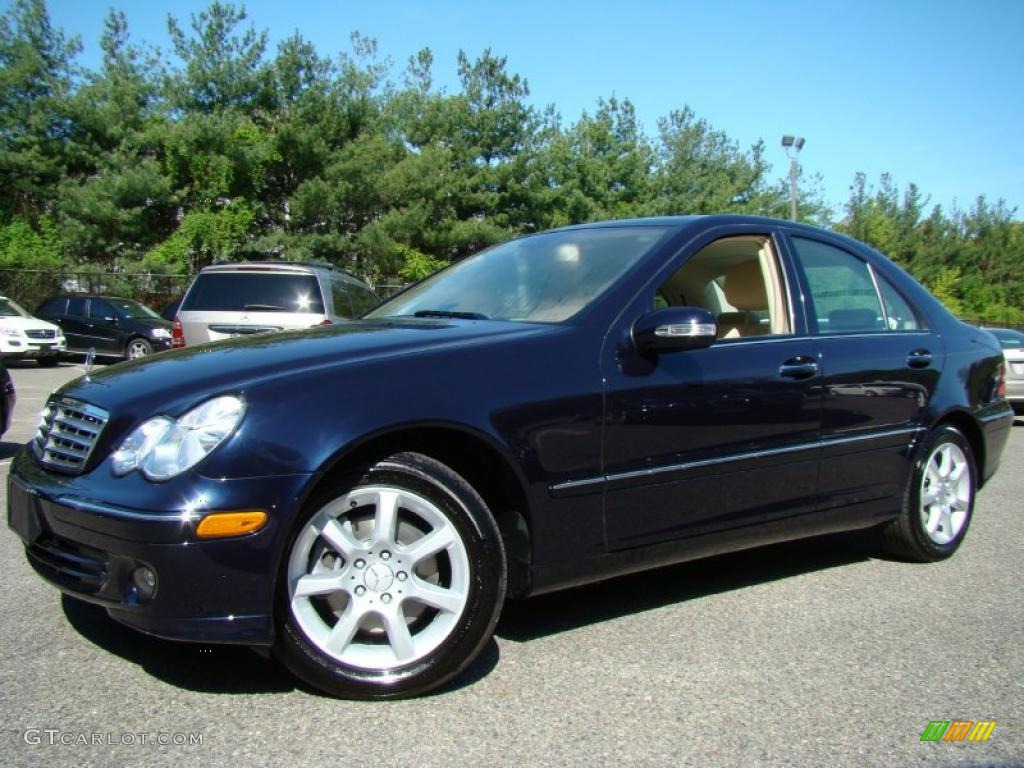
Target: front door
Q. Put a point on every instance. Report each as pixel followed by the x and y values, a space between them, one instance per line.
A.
pixel 104 331
pixel 709 440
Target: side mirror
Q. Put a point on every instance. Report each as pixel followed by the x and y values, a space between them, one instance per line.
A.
pixel 675 329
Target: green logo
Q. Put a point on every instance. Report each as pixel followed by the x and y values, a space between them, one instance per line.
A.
pixel 958 730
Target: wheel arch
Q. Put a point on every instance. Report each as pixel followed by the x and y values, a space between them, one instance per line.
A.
pixel 485 466
pixel 969 428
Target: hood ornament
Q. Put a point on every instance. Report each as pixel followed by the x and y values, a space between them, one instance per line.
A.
pixel 90 358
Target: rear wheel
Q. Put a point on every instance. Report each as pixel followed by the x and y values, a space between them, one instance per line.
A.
pixel 137 348
pixel 392 582
pixel 939 501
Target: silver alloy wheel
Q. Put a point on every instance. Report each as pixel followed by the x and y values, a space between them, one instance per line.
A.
pixel 378 578
pixel 945 493
pixel 138 348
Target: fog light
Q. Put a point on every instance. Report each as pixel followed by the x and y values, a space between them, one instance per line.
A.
pixel 144 581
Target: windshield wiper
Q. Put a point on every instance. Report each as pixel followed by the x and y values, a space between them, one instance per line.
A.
pixel 270 307
pixel 447 313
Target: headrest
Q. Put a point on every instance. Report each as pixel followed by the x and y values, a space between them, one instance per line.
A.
pixel 744 286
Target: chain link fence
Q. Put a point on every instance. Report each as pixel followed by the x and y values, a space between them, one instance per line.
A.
pixel 30 287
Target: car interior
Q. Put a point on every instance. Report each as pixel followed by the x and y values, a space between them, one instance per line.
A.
pixel 738 280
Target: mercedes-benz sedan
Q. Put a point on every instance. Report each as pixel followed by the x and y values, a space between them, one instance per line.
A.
pixel 558 409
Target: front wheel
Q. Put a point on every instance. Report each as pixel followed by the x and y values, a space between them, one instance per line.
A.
pixel 392 582
pixel 939 501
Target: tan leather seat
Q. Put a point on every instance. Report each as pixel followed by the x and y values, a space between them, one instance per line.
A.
pixel 744 289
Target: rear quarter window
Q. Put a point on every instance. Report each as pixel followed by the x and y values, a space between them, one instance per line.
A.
pixel 254 292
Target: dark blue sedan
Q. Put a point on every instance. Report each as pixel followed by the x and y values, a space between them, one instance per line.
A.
pixel 559 409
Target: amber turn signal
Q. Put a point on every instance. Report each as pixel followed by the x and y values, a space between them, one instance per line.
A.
pixel 221 524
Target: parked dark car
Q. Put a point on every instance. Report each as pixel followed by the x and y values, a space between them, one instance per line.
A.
pixel 171 310
pixel 114 327
pixel 7 398
pixel 556 410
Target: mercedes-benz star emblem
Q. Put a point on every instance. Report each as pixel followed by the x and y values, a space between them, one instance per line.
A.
pixel 90 358
pixel 378 577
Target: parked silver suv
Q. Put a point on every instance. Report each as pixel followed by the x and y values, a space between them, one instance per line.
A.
pixel 227 300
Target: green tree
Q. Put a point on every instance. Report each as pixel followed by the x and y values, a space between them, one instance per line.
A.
pixel 222 69
pixel 36 71
pixel 702 170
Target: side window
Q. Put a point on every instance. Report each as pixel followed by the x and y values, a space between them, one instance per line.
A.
pixel 99 309
pixel 76 306
pixel 898 314
pixel 363 299
pixel 351 298
pixel 52 307
pixel 738 280
pixel 842 290
pixel 340 297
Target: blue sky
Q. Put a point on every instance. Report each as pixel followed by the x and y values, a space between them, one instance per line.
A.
pixel 930 90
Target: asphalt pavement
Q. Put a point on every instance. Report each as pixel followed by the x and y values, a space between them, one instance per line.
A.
pixel 816 653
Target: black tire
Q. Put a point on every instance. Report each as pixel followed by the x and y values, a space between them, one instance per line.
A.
pixel 136 348
pixel 391 644
pixel 937 509
pixel 47 362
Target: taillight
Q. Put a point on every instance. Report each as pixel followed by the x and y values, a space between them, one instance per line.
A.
pixel 1001 380
pixel 177 335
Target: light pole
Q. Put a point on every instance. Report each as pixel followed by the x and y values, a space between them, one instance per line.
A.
pixel 793 145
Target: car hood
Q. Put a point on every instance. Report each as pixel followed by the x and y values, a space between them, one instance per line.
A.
pixel 26 323
pixel 174 381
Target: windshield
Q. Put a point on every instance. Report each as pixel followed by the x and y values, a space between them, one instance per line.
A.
pixel 542 278
pixel 10 309
pixel 133 309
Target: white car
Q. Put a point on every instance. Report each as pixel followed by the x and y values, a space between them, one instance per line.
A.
pixel 238 299
pixel 1012 342
pixel 25 336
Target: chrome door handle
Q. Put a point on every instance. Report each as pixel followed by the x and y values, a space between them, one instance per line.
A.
pixel 799 368
pixel 919 358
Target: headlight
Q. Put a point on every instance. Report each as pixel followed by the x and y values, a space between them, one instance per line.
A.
pixel 163 447
pixel 160 333
pixel 12 333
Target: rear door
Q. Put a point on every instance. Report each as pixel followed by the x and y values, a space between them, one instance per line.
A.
pixel 73 321
pixel 243 301
pixel 880 366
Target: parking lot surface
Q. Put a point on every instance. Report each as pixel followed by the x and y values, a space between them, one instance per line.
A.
pixel 811 653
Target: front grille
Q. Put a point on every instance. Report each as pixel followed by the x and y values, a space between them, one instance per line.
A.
pixel 74 564
pixel 68 432
pixel 41 333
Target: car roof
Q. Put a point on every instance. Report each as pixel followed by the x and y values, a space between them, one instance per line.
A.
pixel 88 296
pixel 272 265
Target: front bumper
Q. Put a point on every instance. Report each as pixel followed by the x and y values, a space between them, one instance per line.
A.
pixel 31 348
pixel 208 590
